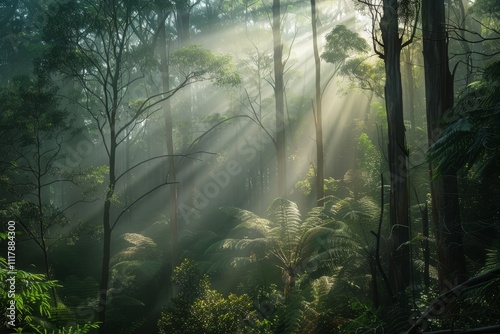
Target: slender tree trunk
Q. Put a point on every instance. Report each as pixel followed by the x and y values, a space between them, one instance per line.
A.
pixel 374 282
pixel 318 120
pixel 106 254
pixel 444 192
pixel 183 27
pixel 289 277
pixel 425 245
pixel 173 205
pixel 399 202
pixel 279 98
pixel 39 186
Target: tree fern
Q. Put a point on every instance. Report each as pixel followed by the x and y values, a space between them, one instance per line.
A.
pixel 470 137
pixel 285 240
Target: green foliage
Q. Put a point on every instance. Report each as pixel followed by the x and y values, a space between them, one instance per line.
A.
pixel 33 217
pixel 196 63
pixel 365 75
pixel 369 159
pixel 29 105
pixel 133 271
pixel 198 309
pixel 32 294
pixel 305 185
pixel 364 319
pixel 33 303
pixel 408 11
pixel 342 43
pixel 78 329
pixel 294 245
pixel 91 179
pixel 489 9
pixel 469 138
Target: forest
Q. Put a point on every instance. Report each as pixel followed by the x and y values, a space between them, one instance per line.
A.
pixel 239 166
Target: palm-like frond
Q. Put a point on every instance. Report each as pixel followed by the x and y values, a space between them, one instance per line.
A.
pixel 246 244
pixel 283 211
pixel 294 245
pixel 470 138
pixel 253 227
pixel 140 248
pixel 286 216
pixel 238 214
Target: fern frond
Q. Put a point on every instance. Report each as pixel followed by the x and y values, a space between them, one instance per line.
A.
pixel 239 244
pixel 283 211
pixel 238 214
pixel 254 227
pixel 138 240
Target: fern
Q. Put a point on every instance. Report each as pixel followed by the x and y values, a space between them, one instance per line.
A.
pixel 72 329
pixel 470 139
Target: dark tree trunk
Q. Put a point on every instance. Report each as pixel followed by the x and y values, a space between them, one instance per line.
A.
pixel 410 85
pixel 279 98
pixel 444 191
pixel 399 273
pixel 318 120
pixel 374 282
pixel 426 252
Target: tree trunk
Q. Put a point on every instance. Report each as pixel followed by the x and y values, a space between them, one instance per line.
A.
pixel 426 248
pixel 444 192
pixel 39 185
pixel 183 23
pixel 106 253
pixel 173 204
pixel 374 282
pixel 279 98
pixel 410 85
pixel 399 202
pixel 318 120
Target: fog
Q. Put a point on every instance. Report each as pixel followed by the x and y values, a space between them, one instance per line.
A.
pixel 140 149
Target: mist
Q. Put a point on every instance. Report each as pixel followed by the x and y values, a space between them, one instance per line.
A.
pixel 196 167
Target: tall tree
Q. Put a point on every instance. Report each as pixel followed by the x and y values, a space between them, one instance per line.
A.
pixel 444 189
pixel 318 117
pixel 279 99
pixel 397 25
pixel 173 205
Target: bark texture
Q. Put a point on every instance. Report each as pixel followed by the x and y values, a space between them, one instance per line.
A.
pixel 444 190
pixel 399 269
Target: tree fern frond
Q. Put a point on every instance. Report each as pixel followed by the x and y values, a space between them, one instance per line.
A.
pixel 335 256
pixel 225 262
pixel 312 221
pixel 471 137
pixel 217 264
pixel 147 269
pixel 318 238
pixel 239 244
pixel 293 313
pixel 254 227
pixel 492 260
pixel 238 214
pixel 199 241
pixel 283 211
